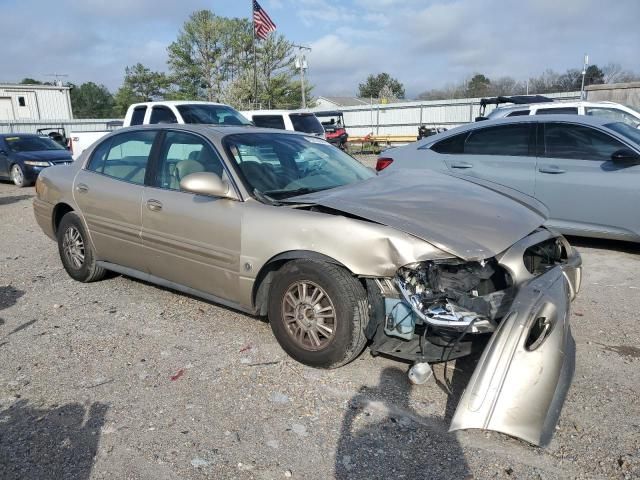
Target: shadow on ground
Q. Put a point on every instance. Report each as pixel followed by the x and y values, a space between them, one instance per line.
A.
pixel 8 297
pixel 59 442
pixel 383 437
pixel 14 199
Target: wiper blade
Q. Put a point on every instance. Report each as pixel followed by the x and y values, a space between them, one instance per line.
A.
pixel 295 192
pixel 265 198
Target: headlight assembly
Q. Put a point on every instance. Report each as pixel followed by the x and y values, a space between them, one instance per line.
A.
pixel 35 163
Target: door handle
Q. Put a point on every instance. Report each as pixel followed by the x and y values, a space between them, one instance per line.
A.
pixel 551 169
pixel 462 165
pixel 82 188
pixel 154 205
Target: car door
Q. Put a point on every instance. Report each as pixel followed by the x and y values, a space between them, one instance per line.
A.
pixel 109 190
pixel 504 154
pixel 192 240
pixel 583 189
pixel 4 159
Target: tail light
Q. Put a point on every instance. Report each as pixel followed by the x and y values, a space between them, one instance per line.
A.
pixel 383 162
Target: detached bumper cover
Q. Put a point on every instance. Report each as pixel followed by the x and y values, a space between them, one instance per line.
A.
pixel 524 374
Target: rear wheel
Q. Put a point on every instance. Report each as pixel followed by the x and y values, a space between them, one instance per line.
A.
pixel 318 312
pixel 75 250
pixel 17 175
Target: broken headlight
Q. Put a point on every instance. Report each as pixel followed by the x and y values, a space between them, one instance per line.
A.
pixel 457 295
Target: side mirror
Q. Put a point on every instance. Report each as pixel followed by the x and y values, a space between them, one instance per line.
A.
pixel 206 183
pixel 625 156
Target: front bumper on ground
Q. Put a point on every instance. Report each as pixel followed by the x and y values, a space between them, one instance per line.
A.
pixel 526 369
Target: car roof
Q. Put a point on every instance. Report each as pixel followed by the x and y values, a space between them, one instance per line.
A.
pixel 557 104
pixel 218 131
pixel 275 112
pixel 177 102
pixel 22 135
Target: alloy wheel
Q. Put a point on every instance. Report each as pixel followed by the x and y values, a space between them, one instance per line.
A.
pixel 16 175
pixel 73 247
pixel 309 315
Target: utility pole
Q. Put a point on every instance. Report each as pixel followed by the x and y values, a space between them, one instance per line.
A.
pixel 584 73
pixel 301 64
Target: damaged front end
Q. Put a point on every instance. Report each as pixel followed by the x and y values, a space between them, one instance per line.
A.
pixel 514 306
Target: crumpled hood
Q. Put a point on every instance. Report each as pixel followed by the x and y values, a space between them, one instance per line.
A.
pixel 43 155
pixel 456 215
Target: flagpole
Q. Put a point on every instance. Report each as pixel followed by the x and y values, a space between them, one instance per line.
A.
pixel 255 59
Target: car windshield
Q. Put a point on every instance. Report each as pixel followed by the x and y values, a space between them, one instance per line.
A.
pixel 283 166
pixel 626 130
pixel 31 144
pixel 211 114
pixel 306 122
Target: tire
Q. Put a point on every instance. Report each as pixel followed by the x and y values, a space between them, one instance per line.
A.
pixel 76 252
pixel 17 176
pixel 302 327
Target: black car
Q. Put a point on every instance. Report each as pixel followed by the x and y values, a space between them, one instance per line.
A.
pixel 23 156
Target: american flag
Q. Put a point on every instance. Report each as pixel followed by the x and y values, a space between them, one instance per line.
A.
pixel 262 24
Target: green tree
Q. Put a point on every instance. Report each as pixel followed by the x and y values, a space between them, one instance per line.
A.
pixel 90 100
pixel 30 81
pixel 140 85
pixel 375 83
pixel 196 58
pixel 478 86
pixel 593 76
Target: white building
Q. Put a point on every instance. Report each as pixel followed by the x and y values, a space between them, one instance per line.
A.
pixel 34 103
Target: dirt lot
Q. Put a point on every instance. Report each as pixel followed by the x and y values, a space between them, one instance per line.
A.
pixel 121 379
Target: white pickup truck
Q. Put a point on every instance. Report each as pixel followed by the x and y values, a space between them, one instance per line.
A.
pixel 150 113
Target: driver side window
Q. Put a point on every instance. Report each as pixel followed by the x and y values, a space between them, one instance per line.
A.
pixel 183 154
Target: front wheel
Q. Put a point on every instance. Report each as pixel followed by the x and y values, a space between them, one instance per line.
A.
pixel 318 312
pixel 17 176
pixel 76 251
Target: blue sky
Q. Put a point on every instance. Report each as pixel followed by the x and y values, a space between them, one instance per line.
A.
pixel 424 43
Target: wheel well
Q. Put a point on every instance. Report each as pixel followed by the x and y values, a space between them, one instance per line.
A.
pixel 59 211
pixel 260 295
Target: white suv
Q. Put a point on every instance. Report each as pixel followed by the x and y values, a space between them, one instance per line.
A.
pixel 611 110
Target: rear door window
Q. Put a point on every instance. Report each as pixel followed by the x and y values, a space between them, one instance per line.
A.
pixel 124 157
pixel 511 140
pixel 137 118
pixel 269 121
pixel 162 115
pixel 566 140
pixel 306 122
pixel 558 111
pixel 454 144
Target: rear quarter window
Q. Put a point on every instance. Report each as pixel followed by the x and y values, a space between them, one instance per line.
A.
pixel 269 121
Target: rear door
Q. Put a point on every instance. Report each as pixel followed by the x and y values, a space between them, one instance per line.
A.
pixel 504 154
pixel 109 193
pixel 583 189
pixel 192 240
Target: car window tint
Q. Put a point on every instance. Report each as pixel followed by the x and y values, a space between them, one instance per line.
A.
pixel 137 118
pixel 565 140
pixel 269 121
pixel 306 122
pixel 182 154
pixel 162 115
pixel 124 156
pixel 613 114
pixel 558 111
pixel 454 144
pixel 510 140
pixel 519 113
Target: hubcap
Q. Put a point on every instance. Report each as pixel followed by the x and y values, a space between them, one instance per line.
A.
pixel 16 175
pixel 73 247
pixel 309 315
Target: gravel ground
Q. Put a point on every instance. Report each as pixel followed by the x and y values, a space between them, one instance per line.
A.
pixel 122 379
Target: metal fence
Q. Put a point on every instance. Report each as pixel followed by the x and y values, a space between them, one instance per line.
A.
pixel 404 118
pixel 30 126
